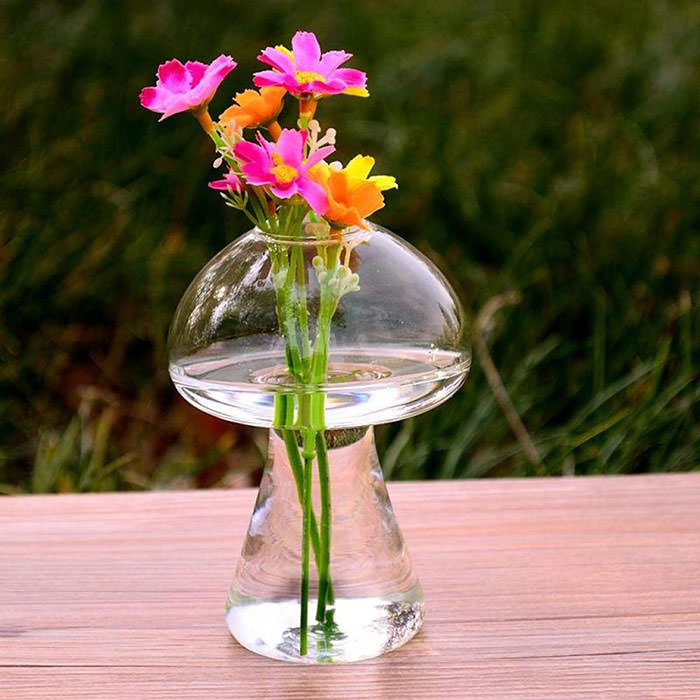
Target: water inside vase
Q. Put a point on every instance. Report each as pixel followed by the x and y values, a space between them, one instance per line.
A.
pixel 362 628
pixel 364 386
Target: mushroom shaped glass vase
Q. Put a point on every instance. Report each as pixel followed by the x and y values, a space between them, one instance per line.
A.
pixel 318 335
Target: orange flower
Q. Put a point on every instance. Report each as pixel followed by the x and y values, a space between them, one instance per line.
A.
pixel 352 194
pixel 251 108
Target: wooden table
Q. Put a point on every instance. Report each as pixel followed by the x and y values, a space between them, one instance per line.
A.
pixel 552 588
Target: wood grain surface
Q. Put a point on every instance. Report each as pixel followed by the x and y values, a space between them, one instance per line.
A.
pixel 538 589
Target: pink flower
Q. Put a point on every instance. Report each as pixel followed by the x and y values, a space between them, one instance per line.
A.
pixel 281 167
pixel 305 71
pixel 185 88
pixel 229 181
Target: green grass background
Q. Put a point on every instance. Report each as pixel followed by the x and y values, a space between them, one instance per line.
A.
pixel 548 155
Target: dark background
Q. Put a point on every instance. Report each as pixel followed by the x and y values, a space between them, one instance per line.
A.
pixel 548 155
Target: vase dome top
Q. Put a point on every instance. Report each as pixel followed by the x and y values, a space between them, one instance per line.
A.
pixel 397 344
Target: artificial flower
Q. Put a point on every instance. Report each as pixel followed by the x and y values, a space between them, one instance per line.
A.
pixel 282 168
pixel 353 194
pixel 185 88
pixel 230 181
pixel 305 71
pixel 251 109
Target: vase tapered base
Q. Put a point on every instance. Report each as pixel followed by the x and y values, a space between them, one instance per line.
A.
pixel 355 628
pixel 355 560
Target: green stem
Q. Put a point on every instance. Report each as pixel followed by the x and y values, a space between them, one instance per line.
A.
pixel 325 592
pixel 285 311
pixel 302 308
pixel 297 467
pixel 280 409
pixel 319 370
pixel 305 542
pixel 259 217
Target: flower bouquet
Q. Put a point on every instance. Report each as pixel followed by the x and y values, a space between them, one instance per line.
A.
pixel 316 323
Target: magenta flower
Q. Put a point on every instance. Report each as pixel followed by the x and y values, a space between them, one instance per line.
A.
pixel 229 181
pixel 305 71
pixel 281 167
pixel 187 88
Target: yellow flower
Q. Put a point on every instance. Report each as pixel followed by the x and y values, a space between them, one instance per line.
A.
pixel 352 194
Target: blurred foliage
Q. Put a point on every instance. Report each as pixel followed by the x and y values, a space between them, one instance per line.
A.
pixel 544 149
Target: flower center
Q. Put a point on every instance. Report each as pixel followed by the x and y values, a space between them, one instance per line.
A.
pixel 307 76
pixel 283 173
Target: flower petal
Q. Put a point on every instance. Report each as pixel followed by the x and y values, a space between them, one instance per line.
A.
pixel 270 78
pixel 319 155
pixel 277 59
pixel 325 87
pixel 360 166
pixel 247 152
pixel 307 52
pixel 338 186
pixel 384 182
pixel 367 199
pixel 173 76
pixel 351 77
pixel 331 60
pixel 230 181
pixel 196 69
pixel 284 190
pixel 356 91
pixel 176 104
pixel 314 194
pixel 246 97
pixel 290 146
pixel 216 71
pixel 267 147
pixel 255 174
pixel 154 98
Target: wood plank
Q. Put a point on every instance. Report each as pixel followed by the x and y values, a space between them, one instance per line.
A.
pixel 538 589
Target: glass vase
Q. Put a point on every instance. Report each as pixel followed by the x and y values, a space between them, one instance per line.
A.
pixel 317 334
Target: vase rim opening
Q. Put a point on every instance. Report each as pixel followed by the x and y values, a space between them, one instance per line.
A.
pixel 311 233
